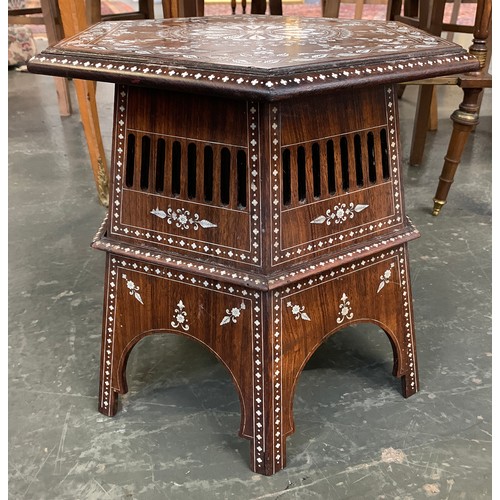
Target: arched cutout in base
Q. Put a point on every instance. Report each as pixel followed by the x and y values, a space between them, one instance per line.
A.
pixel 397 351
pixel 120 385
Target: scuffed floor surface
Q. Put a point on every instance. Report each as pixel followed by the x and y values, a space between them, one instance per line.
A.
pixel 176 433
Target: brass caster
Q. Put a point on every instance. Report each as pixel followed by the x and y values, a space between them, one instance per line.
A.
pixel 438 205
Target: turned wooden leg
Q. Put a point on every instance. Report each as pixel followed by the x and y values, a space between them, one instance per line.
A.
pixel 464 120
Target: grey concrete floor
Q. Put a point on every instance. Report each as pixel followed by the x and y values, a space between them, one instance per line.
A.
pixel 175 435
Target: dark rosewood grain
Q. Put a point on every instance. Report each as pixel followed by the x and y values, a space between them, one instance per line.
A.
pixel 257 199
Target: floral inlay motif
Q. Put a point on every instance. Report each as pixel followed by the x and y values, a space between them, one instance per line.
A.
pixel 278 43
pixel 385 278
pixel 180 317
pixel 339 214
pixel 345 309
pixel 182 218
pixel 233 314
pixel 298 311
pixel 133 289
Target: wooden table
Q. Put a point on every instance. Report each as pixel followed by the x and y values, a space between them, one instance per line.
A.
pixel 256 200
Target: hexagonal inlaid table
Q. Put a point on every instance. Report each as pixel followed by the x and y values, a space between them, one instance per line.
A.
pixel 256 200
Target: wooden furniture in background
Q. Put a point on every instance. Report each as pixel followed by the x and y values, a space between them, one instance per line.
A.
pixel 183 8
pixel 427 15
pixel 260 7
pixel 257 202
pixel 243 6
pixel 74 20
pixel 47 14
pixel 196 8
pixel 430 17
pixel 145 10
pixel 466 117
pixel 331 8
pixel 76 16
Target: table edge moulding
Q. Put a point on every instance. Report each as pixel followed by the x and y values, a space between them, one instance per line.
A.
pixel 256 199
pixel 89 56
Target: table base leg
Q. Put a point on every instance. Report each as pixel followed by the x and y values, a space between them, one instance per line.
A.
pixel 263 338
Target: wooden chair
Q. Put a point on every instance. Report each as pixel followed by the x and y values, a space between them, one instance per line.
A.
pixel 145 10
pixel 243 6
pixel 183 8
pixel 47 14
pixel 77 15
pixel 196 8
pixel 427 15
pixel 466 117
pixel 430 18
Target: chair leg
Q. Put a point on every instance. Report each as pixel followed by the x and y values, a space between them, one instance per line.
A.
pixel 393 9
pixel 433 113
pixel 93 11
pixel 275 8
pixel 464 120
pixel 55 33
pixel 331 8
pixel 258 7
pixel 422 115
pixel 358 9
pixel 63 98
pixel 86 94
pixel 74 19
pixel 147 8
pixel 170 8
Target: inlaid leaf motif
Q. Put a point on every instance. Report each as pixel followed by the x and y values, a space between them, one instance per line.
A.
pixel 360 208
pixel 159 213
pixel 319 220
pixel 298 311
pixel 138 297
pixel 232 314
pixel 225 320
pixel 206 224
pixel 384 279
pixel 133 289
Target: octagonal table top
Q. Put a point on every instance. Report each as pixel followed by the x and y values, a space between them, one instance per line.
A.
pixel 253 55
